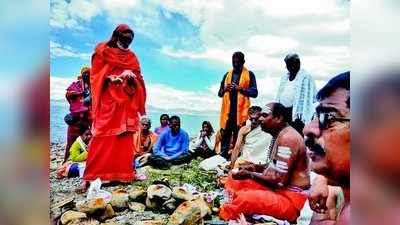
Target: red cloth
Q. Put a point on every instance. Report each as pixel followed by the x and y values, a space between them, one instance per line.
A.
pixel 110 158
pixel 250 197
pixel 115 113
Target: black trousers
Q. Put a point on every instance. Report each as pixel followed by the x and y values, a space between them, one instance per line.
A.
pixel 161 163
pixel 228 135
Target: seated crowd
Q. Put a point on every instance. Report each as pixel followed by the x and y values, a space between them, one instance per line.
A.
pixel 269 166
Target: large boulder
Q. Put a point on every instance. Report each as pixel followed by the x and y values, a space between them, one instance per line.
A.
pixel 181 193
pixel 71 215
pixel 91 206
pixel 188 213
pixel 120 198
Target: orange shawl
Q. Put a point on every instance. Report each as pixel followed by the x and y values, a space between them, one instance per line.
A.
pixel 243 102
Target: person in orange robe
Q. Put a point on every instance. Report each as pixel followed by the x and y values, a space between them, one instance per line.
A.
pixel 118 100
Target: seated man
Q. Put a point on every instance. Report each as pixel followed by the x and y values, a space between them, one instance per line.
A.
pixel 204 144
pixel 146 138
pixel 273 190
pixel 172 146
pixel 251 142
pixel 77 155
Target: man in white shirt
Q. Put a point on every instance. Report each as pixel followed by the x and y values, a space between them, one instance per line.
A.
pixel 297 93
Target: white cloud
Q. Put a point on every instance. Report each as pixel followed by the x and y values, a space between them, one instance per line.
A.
pixel 59 50
pixel 289 8
pixel 268 30
pixel 60 16
pixel 58 87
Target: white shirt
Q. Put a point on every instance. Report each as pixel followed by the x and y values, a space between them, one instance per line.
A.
pixel 289 92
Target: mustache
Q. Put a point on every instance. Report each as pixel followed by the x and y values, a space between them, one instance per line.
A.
pixel 314 146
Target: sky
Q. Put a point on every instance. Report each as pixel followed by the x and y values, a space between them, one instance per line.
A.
pixel 185 47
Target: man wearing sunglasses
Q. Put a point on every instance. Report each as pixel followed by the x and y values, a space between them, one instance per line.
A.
pixel 327 138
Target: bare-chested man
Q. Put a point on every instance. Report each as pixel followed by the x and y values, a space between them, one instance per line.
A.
pixel 328 143
pixel 275 189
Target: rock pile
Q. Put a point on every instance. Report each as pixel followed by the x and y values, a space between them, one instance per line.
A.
pixel 184 207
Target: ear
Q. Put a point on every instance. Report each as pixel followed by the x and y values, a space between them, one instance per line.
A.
pixel 279 119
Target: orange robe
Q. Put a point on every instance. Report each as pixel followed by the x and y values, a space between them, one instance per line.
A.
pixel 115 113
pixel 250 197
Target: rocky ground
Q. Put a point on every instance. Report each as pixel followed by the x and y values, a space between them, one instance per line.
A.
pixel 64 198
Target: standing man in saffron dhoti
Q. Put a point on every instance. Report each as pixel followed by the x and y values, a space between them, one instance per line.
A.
pixel 118 98
pixel 237 86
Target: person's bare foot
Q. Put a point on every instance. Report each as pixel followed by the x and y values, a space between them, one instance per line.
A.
pixel 83 188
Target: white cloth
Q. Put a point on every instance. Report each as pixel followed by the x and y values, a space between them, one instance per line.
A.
pixel 305 91
pixel 255 147
pixel 289 92
pixel 212 162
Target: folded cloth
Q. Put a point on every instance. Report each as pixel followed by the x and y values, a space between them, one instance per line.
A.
pixel 212 162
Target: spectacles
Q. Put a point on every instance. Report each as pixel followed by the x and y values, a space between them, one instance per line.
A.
pixel 325 119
